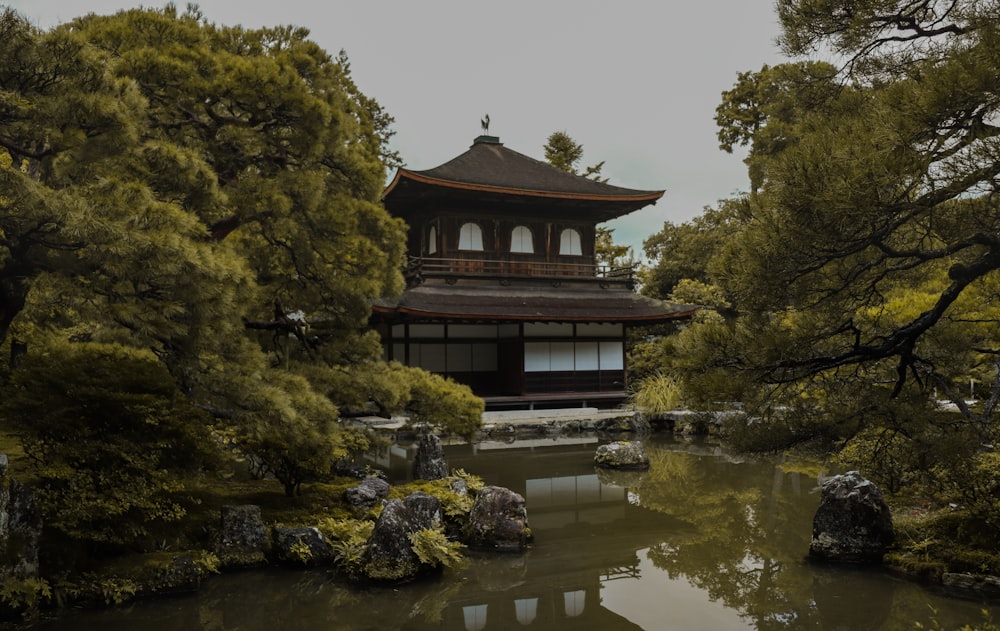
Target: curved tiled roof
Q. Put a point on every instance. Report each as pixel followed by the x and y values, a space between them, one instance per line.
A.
pixel 489 168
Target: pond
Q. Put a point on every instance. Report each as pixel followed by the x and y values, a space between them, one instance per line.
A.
pixel 704 540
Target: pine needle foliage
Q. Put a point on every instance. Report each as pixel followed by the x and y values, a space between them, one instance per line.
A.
pixel 200 200
pixel 108 439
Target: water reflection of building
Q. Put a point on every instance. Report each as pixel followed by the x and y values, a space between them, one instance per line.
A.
pixel 541 599
pixel 557 583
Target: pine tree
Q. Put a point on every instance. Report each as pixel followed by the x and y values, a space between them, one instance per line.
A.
pixel 206 193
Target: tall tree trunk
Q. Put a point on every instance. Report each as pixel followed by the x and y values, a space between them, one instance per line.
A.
pixel 13 294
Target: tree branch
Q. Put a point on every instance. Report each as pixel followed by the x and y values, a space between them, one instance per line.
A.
pixel 901 342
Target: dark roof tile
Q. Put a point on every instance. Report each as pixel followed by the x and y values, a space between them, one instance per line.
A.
pixel 531 303
pixel 489 167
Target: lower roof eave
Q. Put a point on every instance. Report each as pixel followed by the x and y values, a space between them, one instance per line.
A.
pixel 419 315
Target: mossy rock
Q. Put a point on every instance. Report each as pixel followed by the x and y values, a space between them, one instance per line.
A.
pixel 498 520
pixel 630 455
pixel 134 576
pixel 390 555
pixel 302 546
pixel 242 540
pixel 929 570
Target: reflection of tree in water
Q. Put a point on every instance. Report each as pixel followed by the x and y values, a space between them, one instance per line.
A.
pixel 749 533
pixel 269 600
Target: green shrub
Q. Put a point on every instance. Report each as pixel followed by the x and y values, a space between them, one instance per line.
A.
pixel 886 456
pixel 974 482
pixel 442 403
pixel 108 439
pixel 434 549
pixel 25 595
pixel 300 552
pixel 657 394
pixel 349 539
pixel 117 591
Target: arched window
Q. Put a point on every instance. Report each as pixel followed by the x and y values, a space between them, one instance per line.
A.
pixel 475 617
pixel 569 242
pixel 432 240
pixel 520 240
pixel 470 237
pixel 527 609
pixel 574 602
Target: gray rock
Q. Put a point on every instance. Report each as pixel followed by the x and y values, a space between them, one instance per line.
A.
pixel 628 422
pixel 368 493
pixel 148 574
pixel 180 575
pixel 460 486
pixel 425 510
pixel 20 527
pixel 429 462
pixel 348 469
pixel 971 585
pixel 853 523
pixel 390 555
pixel 498 520
pixel 622 455
pixel 242 537
pixel 302 546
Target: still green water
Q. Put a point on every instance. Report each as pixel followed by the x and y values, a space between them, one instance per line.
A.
pixel 703 540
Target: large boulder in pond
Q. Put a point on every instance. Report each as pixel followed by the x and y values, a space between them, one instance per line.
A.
pixel 852 523
pixel 390 555
pixel 622 454
pixel 429 462
pixel 498 520
pixel 242 538
pixel 368 493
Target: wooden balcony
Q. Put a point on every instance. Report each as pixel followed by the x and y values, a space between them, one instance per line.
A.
pixel 451 270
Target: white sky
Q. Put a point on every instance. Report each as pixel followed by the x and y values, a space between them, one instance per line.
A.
pixel 636 82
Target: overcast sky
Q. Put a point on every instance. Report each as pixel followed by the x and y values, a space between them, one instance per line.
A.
pixel 636 82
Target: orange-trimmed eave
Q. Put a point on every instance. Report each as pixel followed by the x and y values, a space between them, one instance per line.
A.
pixel 648 197
pixel 443 315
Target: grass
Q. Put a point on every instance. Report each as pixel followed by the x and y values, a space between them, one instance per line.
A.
pixel 933 541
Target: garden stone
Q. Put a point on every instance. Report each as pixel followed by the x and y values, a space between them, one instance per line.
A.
pixel 498 520
pixel 348 469
pixel 20 527
pixel 853 523
pixel 630 422
pixel 242 539
pixel 390 555
pixel 179 574
pixel 622 455
pixel 302 546
pixel 368 493
pixel 429 462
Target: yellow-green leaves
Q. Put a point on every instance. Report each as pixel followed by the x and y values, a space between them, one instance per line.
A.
pixel 166 181
pixel 108 435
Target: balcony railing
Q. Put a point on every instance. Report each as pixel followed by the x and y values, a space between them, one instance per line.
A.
pixel 422 268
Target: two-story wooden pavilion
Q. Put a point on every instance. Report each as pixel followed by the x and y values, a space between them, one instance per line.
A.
pixel 503 289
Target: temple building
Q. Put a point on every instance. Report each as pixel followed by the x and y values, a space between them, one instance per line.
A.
pixel 504 292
